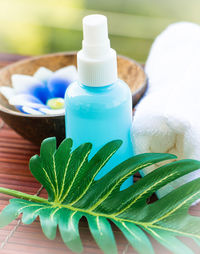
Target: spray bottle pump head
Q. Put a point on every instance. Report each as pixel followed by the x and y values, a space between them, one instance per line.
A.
pixel 97 62
pixel 95 35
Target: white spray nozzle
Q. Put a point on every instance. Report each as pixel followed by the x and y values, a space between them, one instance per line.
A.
pixel 95 29
pixel 95 36
pixel 97 65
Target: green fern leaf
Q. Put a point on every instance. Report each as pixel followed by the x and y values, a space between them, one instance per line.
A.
pixel 69 178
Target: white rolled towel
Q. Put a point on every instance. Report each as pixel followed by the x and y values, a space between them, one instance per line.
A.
pixel 167 119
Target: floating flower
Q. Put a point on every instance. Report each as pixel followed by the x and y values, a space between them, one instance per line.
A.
pixel 40 94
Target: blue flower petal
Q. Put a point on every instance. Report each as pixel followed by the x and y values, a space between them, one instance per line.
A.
pixel 57 86
pixel 31 111
pixel 26 100
pixel 30 85
pixel 60 80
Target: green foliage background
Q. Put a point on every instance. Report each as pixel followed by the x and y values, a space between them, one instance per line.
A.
pixel 42 26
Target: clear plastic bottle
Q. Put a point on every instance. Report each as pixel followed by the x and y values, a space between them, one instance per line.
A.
pixel 99 105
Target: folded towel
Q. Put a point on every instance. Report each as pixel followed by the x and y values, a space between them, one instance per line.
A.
pixel 167 119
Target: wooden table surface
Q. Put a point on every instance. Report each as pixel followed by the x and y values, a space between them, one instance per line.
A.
pixel 15 238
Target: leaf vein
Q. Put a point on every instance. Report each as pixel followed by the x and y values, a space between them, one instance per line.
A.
pixel 134 235
pixel 139 196
pixel 117 183
pixel 42 208
pixel 49 180
pixel 88 186
pixel 64 177
pixel 53 213
pixel 27 206
pixel 71 221
pixel 98 225
pixel 175 209
pixel 73 180
pixel 55 174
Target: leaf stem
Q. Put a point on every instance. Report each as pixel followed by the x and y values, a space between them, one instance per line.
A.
pixel 19 194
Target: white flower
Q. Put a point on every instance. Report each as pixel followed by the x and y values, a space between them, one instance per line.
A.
pixel 42 93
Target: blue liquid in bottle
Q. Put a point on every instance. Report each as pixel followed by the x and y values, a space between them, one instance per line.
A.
pixel 99 115
pixel 98 111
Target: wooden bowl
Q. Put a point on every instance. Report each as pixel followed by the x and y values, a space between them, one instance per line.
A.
pixel 36 128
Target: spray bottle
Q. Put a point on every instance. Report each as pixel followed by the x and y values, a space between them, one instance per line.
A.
pixel 99 105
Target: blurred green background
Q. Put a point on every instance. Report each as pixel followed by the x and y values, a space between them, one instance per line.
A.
pixel 33 27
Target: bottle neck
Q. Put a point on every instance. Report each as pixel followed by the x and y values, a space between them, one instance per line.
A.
pixel 99 88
